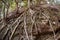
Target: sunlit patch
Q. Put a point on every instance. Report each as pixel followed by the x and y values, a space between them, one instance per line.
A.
pixel 23 3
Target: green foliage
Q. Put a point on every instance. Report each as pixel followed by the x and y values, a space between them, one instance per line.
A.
pixel 12 5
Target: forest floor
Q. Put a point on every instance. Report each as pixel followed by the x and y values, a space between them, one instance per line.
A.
pixel 36 23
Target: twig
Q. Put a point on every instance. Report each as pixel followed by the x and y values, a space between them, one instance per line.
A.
pixel 28 3
pixel 17 19
pixel 25 27
pixel 32 27
pixel 32 12
pixel 46 15
pixel 52 30
pixel 3 26
pixel 32 20
pixel 50 25
pixel 14 30
pixel 6 33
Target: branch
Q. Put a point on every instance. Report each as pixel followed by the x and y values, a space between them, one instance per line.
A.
pixel 14 30
pixel 6 33
pixel 25 27
pixel 52 30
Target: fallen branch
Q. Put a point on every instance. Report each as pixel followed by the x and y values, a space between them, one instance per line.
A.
pixel 52 30
pixel 2 27
pixel 14 30
pixel 17 19
pixel 25 27
pixel 5 33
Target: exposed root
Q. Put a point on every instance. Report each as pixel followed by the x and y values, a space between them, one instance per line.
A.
pixel 14 30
